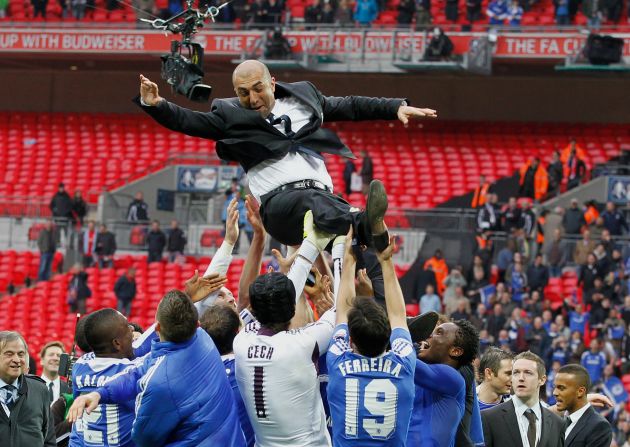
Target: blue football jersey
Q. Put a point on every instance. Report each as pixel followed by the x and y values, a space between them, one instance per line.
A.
pixel 370 398
pixel 246 425
pixel 108 425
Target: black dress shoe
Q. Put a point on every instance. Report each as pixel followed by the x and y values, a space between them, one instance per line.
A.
pixel 375 210
pixel 422 326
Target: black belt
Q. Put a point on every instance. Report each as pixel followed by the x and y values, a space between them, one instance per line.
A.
pixel 303 184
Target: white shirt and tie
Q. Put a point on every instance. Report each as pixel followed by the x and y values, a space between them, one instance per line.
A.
pixel 54 385
pixel 9 394
pixel 523 422
pixel 575 417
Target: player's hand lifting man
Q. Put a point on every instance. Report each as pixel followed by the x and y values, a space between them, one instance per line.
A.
pixel 405 113
pixel 149 91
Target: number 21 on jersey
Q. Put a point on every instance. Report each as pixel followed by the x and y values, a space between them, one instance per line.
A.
pixel 374 408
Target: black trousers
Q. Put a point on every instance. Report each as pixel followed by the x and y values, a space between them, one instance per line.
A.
pixel 283 212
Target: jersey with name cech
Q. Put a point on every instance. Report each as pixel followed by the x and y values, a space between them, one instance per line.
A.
pixel 370 398
pixel 108 425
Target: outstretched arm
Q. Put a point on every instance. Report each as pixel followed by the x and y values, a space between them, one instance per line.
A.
pixel 197 124
pixel 253 263
pixel 347 290
pixel 394 300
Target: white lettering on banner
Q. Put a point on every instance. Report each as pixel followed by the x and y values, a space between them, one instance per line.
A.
pixel 8 40
pixel 549 46
pixel 378 44
pixel 102 42
pixel 571 46
pixel 521 46
pixel 229 43
pixel 40 41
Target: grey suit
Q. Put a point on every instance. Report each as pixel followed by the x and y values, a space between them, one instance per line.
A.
pixel 592 430
pixel 500 427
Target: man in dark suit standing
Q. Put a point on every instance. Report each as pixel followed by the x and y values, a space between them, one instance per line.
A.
pixel 584 426
pixel 274 130
pixel 522 421
pixel 50 355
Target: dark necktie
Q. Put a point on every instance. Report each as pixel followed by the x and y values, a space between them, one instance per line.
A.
pixel 567 423
pixel 531 430
pixel 9 397
pixel 286 121
pixel 51 393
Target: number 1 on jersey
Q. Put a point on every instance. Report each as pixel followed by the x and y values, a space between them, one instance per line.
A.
pixel 380 397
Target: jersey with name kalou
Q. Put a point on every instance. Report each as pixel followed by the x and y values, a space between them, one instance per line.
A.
pixel 370 398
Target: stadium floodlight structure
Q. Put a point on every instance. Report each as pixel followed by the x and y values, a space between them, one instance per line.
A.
pixel 182 68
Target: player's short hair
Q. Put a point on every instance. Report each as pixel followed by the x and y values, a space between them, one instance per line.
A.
pixel 492 358
pixel 368 326
pixel 79 336
pixel 7 337
pixel 98 329
pixel 222 323
pixel 51 344
pixel 177 316
pixel 467 338
pixel 272 298
pixel 540 365
pixel 579 372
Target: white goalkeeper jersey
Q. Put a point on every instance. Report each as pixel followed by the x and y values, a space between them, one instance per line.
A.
pixel 277 378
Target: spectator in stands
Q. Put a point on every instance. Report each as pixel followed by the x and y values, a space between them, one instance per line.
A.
pixel 105 247
pixel 313 13
pixel 594 361
pixel 78 8
pixel 562 13
pixel 533 180
pixel 573 219
pixel 156 241
pixel 473 10
pixel 505 256
pixel 575 168
pixel 328 13
pixel 78 289
pixel 274 9
pixel 614 220
pixel 538 341
pixel 516 280
pixel 451 10
pixel 488 217
pixel 125 291
pixel 277 46
pixel 453 281
pixel 144 9
pixel 406 11
pixel 430 302
pixel 583 248
pixel 588 273
pixel 138 210
pixel 591 212
pixel 47 244
pixel 481 193
pixel 61 208
pixel 613 9
pixel 344 13
pixel 49 356
pixel 348 169
pixel 367 171
pixel 511 216
pixel 440 269
pixel 514 14
pixel 256 12
pixel 87 244
pixel 554 174
pixel 497 12
pixel 440 46
pixel 26 418
pixel 557 253
pixel 365 12
pixel 176 242
pixel 79 209
pixel 538 274
pixel 496 321
pixel 39 8
pixel 528 220
pixel 227 13
pixel 593 10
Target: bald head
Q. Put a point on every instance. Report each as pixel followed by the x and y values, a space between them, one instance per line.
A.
pixel 254 86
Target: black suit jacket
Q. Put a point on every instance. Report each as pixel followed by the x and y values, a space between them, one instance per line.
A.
pixel 244 136
pixel 592 430
pixel 500 427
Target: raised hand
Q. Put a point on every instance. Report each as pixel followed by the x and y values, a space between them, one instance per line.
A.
pixel 387 254
pixel 253 214
pixel 407 112
pixel 198 288
pixel 231 225
pixel 321 293
pixel 149 91
pixel 284 263
pixel 364 284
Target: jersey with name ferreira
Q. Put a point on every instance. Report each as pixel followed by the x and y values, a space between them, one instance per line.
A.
pixel 108 425
pixel 370 398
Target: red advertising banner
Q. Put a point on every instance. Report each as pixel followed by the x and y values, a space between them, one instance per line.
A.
pixel 370 44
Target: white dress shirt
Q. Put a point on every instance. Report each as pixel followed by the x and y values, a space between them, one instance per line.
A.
pixel 575 417
pixel 293 167
pixel 56 386
pixel 523 422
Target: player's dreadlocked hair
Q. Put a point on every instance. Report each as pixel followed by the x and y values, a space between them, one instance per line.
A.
pixel 272 297
pixel 466 338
